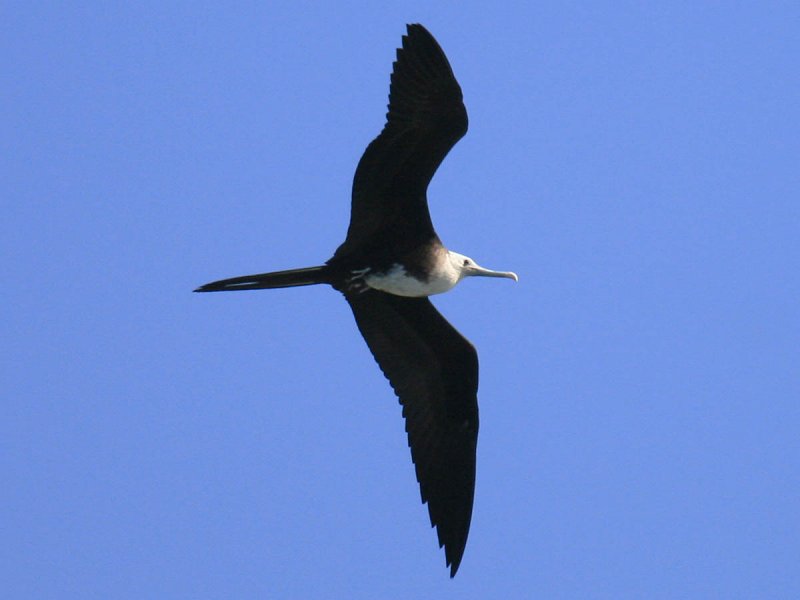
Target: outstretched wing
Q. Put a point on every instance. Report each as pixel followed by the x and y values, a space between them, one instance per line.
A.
pixel 426 118
pixel 434 371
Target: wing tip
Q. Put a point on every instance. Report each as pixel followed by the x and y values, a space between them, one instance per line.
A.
pixel 454 568
pixel 454 547
pixel 453 560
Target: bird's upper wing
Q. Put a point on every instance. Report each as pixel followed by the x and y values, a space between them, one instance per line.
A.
pixel 434 371
pixel 426 118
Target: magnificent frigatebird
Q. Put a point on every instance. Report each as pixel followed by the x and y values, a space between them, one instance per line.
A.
pixel 389 264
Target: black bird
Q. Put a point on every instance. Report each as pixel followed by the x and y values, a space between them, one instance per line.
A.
pixel 389 264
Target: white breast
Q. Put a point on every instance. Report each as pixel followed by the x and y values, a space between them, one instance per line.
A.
pixel 396 281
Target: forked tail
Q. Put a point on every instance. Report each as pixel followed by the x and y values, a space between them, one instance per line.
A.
pixel 264 281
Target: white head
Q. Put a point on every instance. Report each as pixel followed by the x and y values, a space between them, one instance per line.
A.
pixel 466 267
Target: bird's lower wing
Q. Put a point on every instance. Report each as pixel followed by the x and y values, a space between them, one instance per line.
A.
pixel 434 371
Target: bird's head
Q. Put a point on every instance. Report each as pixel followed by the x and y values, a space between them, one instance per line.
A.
pixel 466 267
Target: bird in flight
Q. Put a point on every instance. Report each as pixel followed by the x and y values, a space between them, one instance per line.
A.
pixel 388 265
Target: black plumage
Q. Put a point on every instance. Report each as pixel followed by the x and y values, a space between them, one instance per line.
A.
pixel 432 368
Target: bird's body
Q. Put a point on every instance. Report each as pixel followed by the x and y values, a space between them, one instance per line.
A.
pixel 390 262
pixel 440 278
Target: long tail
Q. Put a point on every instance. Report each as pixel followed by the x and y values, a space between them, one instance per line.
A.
pixel 276 279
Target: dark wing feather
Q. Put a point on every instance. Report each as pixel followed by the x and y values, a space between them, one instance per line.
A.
pixel 434 371
pixel 426 118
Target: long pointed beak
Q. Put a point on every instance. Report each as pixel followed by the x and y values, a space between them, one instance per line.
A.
pixel 477 271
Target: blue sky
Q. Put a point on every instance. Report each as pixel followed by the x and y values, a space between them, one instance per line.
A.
pixel 635 164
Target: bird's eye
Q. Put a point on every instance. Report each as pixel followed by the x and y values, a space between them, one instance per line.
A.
pixel 466 262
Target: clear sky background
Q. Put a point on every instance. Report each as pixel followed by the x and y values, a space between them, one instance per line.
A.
pixel 637 164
